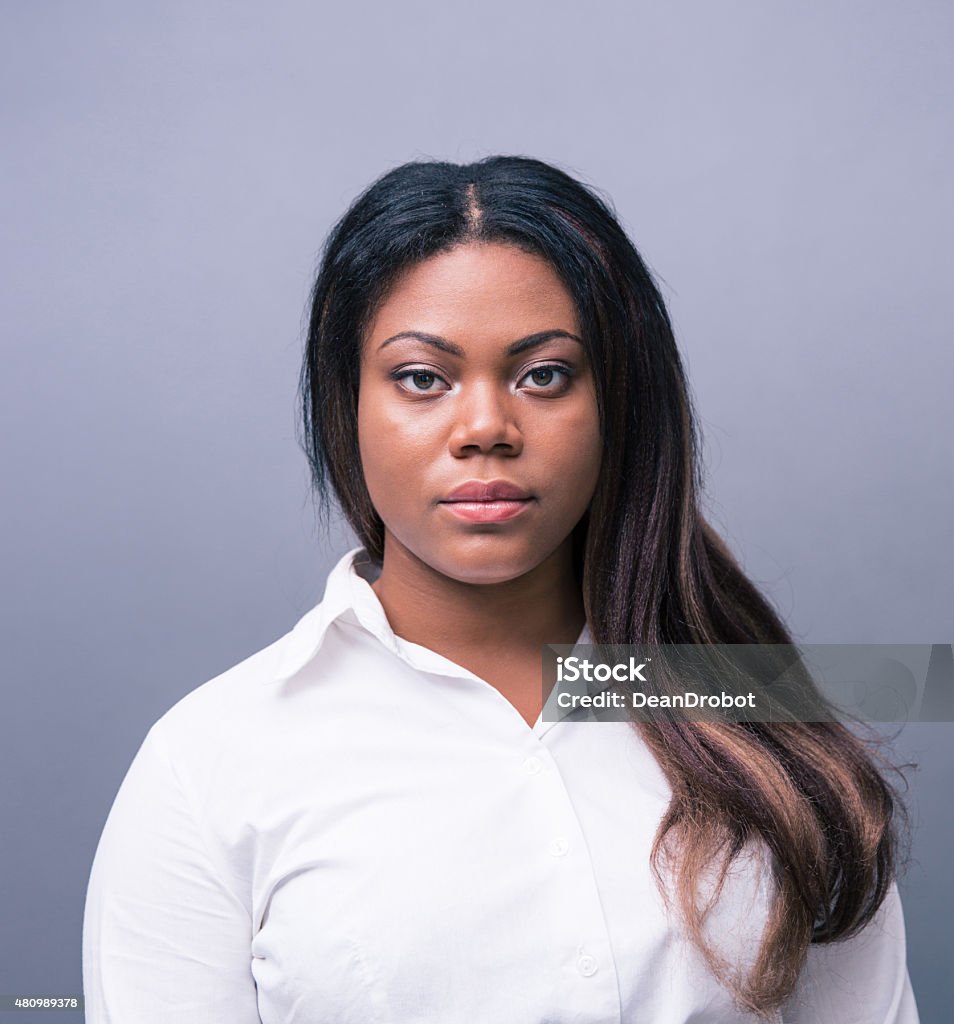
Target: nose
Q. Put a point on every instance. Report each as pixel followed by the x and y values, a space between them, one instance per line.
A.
pixel 484 421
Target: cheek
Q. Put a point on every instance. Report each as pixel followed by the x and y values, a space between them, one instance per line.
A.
pixel 391 445
pixel 584 472
pixel 372 442
pixel 573 453
pixel 381 412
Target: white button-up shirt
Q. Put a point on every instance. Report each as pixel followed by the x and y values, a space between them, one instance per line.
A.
pixel 349 828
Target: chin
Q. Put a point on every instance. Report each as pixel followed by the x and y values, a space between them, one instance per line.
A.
pixel 481 564
pixel 480 577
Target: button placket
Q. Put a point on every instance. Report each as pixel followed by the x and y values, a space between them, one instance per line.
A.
pixel 558 846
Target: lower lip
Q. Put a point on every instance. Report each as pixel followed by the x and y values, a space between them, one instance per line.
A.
pixel 487 511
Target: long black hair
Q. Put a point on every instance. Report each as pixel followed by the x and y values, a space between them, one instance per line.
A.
pixel 652 569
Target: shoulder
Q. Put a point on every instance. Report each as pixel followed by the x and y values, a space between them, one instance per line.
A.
pixel 225 701
pixel 245 717
pixel 235 699
pixel 234 712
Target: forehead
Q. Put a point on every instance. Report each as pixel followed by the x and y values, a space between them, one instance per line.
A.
pixel 477 290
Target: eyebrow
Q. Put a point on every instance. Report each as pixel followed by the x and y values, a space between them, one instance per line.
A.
pixel 436 341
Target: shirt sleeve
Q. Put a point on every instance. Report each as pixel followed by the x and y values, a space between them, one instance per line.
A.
pixel 863 980
pixel 163 936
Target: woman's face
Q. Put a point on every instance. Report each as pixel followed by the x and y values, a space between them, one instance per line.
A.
pixel 472 372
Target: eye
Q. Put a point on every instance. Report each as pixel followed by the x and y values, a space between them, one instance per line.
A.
pixel 421 381
pixel 551 378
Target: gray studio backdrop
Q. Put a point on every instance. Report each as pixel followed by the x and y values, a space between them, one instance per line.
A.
pixel 169 171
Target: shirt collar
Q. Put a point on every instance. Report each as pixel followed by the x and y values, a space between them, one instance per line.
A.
pixel 308 634
pixel 348 590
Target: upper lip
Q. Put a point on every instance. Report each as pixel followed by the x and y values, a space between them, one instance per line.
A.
pixel 487 490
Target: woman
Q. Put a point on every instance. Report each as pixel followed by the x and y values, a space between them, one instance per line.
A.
pixel 370 819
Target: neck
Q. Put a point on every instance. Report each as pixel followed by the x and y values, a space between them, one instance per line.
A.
pixel 423 606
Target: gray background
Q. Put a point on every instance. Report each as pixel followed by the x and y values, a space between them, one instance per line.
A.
pixel 169 172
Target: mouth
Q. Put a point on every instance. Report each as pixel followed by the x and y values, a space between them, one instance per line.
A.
pixel 491 510
pixel 488 490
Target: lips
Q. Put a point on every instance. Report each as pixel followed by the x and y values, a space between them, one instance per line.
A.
pixel 488 490
pixel 487 501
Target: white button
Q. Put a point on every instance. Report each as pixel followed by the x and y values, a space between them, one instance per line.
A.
pixel 533 765
pixel 558 847
pixel 587 965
